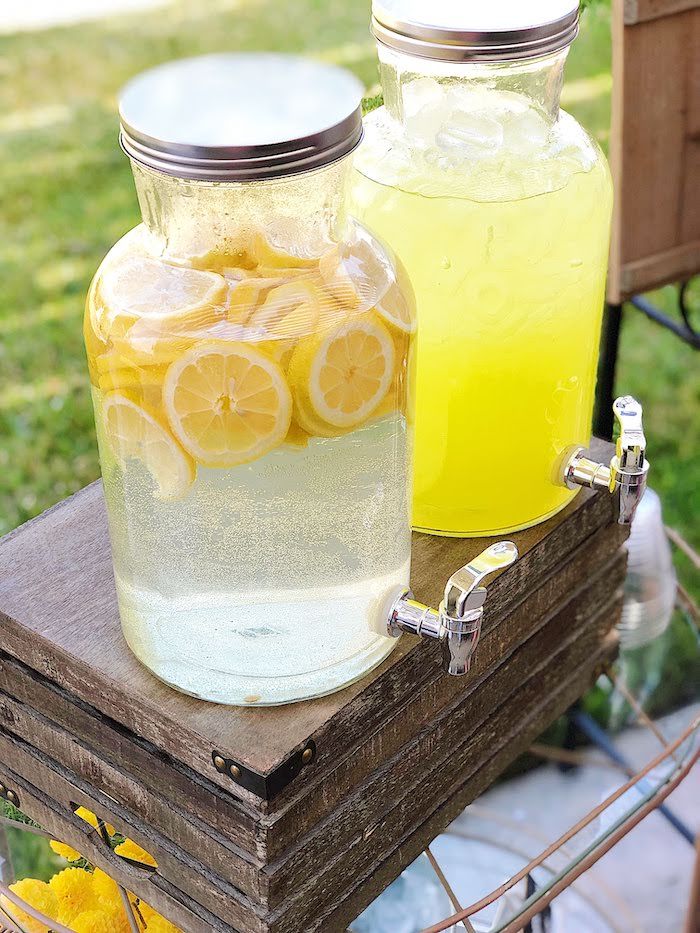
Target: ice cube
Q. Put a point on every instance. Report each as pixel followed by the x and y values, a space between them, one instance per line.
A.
pixel 424 105
pixel 471 134
pixel 525 132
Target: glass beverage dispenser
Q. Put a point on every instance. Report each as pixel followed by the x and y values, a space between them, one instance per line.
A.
pixel 248 349
pixel 498 205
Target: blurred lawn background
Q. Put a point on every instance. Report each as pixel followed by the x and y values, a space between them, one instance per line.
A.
pixel 67 196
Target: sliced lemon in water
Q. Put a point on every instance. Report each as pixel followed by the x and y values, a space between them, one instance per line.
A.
pixel 227 403
pixel 159 295
pixel 290 310
pixel 270 257
pixel 135 433
pixel 396 309
pixel 339 377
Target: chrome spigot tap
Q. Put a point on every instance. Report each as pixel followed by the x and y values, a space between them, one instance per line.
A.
pixel 457 623
pixel 627 471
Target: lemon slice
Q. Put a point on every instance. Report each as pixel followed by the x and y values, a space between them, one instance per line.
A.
pixel 290 310
pixel 396 309
pixel 339 378
pixel 270 257
pixel 134 433
pixel 158 294
pixel 227 403
pixel 245 296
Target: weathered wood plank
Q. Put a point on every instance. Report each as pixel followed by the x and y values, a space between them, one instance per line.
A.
pixel 128 758
pixel 149 886
pixel 327 886
pixel 533 723
pixel 393 801
pixel 45 629
pixel 180 800
pixel 655 145
pixel 545 659
pixel 642 11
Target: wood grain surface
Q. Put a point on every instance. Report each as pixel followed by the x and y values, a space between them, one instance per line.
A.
pixel 655 144
pixel 69 632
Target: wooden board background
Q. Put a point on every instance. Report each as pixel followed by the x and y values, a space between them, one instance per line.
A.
pixel 655 144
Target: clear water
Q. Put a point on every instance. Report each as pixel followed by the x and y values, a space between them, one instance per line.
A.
pixel 269 582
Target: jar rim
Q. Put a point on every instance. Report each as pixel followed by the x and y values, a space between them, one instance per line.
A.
pixel 240 116
pixel 461 44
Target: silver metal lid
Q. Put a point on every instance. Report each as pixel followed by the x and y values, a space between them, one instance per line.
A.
pixel 237 117
pixel 474 30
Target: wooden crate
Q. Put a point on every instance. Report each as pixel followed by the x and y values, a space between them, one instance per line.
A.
pixel 655 145
pixel 336 795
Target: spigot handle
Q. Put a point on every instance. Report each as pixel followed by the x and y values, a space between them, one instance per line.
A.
pixel 631 444
pixel 462 592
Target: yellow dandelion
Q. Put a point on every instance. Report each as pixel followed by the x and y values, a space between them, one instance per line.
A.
pixel 90 818
pixel 100 921
pixel 75 891
pixel 132 850
pixel 65 851
pixel 106 890
pixel 158 924
pixel 68 852
pixel 38 895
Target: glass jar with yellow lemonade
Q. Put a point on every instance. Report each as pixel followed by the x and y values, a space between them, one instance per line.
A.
pixel 248 348
pixel 498 204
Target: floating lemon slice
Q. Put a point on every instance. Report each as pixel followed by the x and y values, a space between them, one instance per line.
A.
pixel 270 257
pixel 134 433
pixel 396 309
pixel 290 310
pixel 245 296
pixel 158 294
pixel 340 377
pixel 227 403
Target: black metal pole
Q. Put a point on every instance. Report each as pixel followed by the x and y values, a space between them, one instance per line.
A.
pixel 603 417
pixel 601 739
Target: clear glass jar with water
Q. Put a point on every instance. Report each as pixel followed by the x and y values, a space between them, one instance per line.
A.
pixel 249 353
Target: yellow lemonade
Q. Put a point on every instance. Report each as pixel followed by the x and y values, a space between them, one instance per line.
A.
pixel 501 222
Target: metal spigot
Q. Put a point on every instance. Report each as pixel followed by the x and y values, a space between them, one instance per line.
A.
pixel 627 472
pixel 457 623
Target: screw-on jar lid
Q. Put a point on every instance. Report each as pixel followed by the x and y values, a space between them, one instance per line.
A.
pixel 237 117
pixel 475 30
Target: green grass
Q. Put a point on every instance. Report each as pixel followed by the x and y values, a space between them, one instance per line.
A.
pixel 68 195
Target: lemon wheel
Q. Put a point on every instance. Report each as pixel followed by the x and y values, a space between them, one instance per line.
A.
pixel 157 295
pixel 340 377
pixel 227 403
pixel 135 433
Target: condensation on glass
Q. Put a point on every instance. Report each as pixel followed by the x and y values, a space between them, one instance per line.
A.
pixel 249 351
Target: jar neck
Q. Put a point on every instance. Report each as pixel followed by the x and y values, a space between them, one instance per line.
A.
pixel 301 214
pixel 537 81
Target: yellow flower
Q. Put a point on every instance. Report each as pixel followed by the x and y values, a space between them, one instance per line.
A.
pixel 75 891
pixel 101 921
pixel 38 895
pixel 68 852
pixel 106 889
pixel 131 849
pixel 65 851
pixel 158 924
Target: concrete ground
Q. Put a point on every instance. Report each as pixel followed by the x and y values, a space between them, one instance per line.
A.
pixel 643 883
